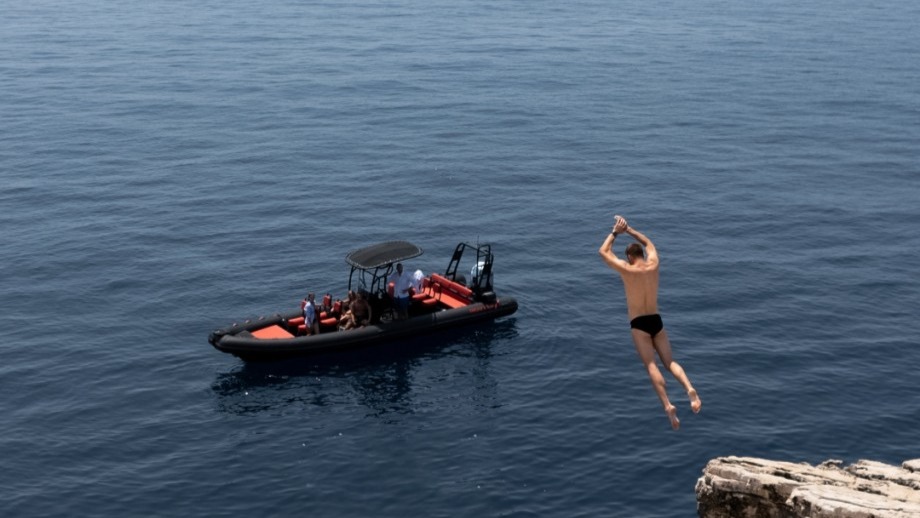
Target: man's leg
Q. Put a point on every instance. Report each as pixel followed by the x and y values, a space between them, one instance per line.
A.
pixel 663 346
pixel 646 349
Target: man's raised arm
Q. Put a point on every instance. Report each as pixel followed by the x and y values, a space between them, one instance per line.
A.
pixel 606 249
pixel 650 250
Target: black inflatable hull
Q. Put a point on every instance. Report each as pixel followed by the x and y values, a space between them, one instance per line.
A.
pixel 237 341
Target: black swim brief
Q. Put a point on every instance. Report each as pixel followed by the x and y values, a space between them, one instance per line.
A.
pixel 650 324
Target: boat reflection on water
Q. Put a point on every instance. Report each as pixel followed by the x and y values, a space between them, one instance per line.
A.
pixel 381 379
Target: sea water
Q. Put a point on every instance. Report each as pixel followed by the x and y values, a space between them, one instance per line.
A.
pixel 170 167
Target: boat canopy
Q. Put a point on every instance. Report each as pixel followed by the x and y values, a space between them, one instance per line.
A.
pixel 382 254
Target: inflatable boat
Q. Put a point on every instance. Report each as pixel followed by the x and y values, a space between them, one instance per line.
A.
pixel 437 302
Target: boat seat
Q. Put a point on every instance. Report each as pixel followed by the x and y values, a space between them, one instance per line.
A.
pixel 432 300
pixel 452 301
pixel 429 297
pixel 425 292
pixel 296 321
pixel 329 319
pixel 453 286
pixel 453 294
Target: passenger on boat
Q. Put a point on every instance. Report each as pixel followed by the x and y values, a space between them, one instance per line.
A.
pixel 347 320
pixel 346 304
pixel 361 311
pixel 401 283
pixel 310 314
pixel 417 279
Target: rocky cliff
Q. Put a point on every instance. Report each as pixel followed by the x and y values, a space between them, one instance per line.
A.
pixel 744 487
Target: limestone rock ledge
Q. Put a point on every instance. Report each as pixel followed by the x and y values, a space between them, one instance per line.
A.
pixel 747 487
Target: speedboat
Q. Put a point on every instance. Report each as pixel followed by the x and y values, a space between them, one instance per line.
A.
pixel 437 302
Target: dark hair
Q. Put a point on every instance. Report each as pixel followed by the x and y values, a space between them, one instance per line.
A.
pixel 635 250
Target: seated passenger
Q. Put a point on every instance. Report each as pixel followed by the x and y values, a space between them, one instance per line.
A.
pixel 346 304
pixel 361 310
pixel 347 319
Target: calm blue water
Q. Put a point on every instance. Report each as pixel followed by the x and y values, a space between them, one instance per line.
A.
pixel 170 167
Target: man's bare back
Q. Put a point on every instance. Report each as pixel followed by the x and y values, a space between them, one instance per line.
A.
pixel 639 273
pixel 641 285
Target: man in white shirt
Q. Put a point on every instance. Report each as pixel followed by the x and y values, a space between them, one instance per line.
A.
pixel 309 315
pixel 401 283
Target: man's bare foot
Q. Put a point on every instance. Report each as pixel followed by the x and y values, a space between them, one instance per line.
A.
pixel 672 415
pixel 695 403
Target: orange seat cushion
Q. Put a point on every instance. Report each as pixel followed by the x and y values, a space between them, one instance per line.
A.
pixel 450 285
pixel 272 333
pixel 452 301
